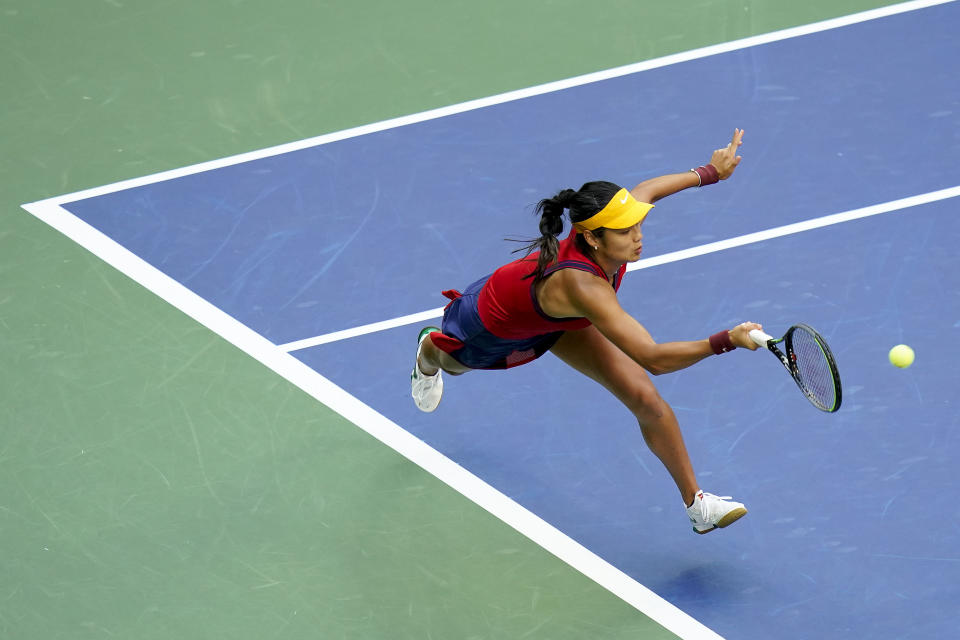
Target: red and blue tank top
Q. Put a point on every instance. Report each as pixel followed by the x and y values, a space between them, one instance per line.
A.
pixel 508 302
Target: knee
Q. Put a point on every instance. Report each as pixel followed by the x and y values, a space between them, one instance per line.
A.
pixel 646 404
pixel 435 357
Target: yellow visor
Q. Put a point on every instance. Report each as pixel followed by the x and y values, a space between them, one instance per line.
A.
pixel 621 212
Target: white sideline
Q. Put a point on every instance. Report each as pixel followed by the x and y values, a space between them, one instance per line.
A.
pixel 279 359
pixel 674 256
pixel 519 94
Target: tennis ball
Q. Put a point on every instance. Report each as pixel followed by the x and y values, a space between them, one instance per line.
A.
pixel 901 356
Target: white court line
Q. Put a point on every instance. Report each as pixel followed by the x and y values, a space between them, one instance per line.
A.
pixel 542 533
pixel 550 87
pixel 473 488
pixel 684 254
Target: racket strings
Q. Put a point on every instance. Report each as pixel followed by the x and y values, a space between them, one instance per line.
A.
pixel 814 372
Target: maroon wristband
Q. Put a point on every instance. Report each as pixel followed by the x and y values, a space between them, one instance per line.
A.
pixel 708 175
pixel 720 342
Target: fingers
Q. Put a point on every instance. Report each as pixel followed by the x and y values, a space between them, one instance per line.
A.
pixel 743 338
pixel 735 144
pixel 737 139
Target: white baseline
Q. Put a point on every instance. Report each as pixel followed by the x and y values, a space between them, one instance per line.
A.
pixel 279 360
pixel 379 426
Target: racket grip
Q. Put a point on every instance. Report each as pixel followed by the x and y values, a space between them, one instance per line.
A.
pixel 760 337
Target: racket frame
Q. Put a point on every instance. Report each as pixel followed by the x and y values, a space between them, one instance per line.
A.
pixel 789 360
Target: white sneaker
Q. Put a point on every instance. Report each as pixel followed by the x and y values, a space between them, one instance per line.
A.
pixel 426 390
pixel 709 512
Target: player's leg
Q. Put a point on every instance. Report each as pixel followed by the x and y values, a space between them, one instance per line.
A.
pixel 431 358
pixel 426 379
pixel 589 352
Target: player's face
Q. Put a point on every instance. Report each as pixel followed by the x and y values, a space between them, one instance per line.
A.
pixel 623 245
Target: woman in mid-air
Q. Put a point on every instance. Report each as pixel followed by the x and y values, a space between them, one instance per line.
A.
pixel 562 297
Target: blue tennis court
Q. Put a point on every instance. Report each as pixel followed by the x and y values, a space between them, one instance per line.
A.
pixel 851 526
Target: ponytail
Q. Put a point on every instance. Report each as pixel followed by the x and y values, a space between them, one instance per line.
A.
pixel 550 211
pixel 590 199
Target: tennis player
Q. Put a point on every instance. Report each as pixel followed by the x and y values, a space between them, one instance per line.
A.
pixel 562 297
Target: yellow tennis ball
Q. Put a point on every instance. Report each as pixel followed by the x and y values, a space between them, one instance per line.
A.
pixel 901 356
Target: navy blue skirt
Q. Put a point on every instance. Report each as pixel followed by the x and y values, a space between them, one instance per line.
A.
pixel 465 338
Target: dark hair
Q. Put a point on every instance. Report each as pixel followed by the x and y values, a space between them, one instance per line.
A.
pixel 583 204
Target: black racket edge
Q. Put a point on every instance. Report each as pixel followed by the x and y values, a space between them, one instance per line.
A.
pixel 828 356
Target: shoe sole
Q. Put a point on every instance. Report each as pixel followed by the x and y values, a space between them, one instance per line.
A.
pixel 426 408
pixel 725 521
pixel 420 338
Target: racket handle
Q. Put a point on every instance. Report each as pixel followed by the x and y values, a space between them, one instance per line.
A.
pixel 760 337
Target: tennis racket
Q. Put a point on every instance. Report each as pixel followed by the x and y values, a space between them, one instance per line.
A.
pixel 809 360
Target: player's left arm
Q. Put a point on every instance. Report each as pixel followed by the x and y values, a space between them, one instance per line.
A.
pixel 725 161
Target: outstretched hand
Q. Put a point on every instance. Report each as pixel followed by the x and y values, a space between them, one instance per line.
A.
pixel 740 335
pixel 726 159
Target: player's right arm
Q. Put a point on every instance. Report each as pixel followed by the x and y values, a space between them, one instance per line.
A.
pixel 594 299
